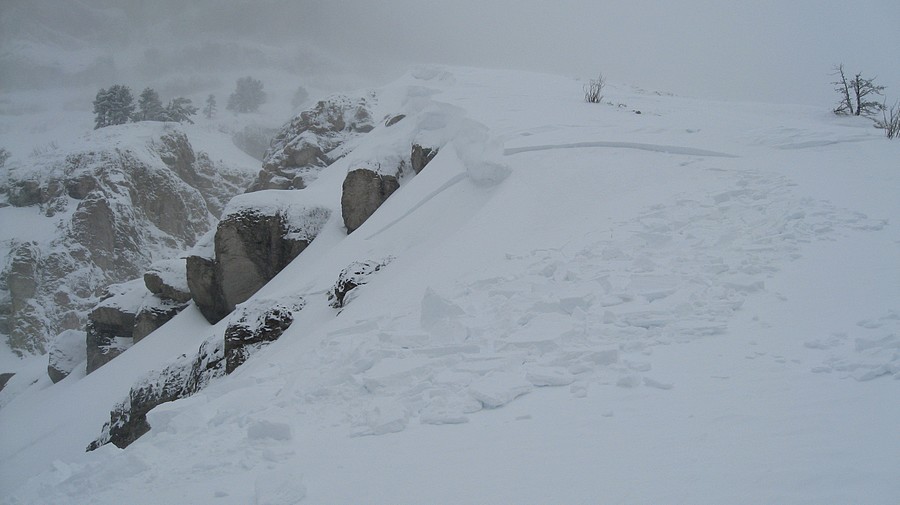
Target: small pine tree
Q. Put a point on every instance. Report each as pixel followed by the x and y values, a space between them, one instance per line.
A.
pixel 248 95
pixel 209 110
pixel 150 108
pixel 113 106
pixel 180 109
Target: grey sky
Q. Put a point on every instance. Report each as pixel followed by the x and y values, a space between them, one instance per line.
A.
pixel 771 50
pixel 763 50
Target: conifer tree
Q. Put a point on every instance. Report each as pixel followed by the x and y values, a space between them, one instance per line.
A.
pixel 113 106
pixel 180 109
pixel 248 95
pixel 209 110
pixel 150 108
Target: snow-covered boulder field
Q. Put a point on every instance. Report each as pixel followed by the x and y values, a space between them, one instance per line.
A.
pixel 572 303
pixel 82 216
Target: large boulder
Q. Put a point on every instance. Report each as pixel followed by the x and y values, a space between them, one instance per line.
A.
pixel 312 141
pixel 127 196
pixel 364 190
pixel 259 236
pixel 66 352
pixel 152 315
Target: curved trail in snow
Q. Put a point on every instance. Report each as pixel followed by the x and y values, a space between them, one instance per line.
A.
pixel 657 148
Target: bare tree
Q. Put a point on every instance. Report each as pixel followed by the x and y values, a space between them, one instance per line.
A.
pixel 890 121
pixel 594 89
pixel 856 94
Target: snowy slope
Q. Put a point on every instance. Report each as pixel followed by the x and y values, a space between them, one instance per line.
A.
pixel 694 304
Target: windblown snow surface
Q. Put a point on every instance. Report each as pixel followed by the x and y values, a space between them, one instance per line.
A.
pixel 698 303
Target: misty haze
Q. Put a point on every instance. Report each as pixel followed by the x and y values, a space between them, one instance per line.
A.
pixel 406 252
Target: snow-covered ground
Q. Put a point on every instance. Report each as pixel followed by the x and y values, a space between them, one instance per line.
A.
pixel 656 300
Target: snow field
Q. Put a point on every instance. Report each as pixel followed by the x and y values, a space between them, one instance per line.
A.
pixel 606 323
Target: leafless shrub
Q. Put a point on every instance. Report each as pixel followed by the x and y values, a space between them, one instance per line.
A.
pixel 593 91
pixel 890 121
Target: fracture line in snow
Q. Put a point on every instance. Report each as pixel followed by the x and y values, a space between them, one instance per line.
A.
pixel 447 185
pixel 690 151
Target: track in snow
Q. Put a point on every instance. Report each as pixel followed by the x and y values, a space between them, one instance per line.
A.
pixel 657 148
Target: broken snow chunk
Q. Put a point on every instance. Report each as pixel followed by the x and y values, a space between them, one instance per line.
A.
pixel 265 429
pixel 499 388
pixel 543 377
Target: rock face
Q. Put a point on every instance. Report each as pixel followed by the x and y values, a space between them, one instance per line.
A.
pixel 256 327
pixel 167 279
pixel 312 141
pixel 364 190
pixel 356 274
pixel 421 156
pixel 66 352
pixel 128 420
pixel 252 328
pixel 4 378
pixel 127 313
pixel 252 244
pixel 129 195
pixel 110 327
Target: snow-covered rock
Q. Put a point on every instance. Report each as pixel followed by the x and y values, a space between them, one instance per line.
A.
pixel 100 212
pixel 259 235
pixel 312 141
pixel 354 275
pixel 167 279
pixel 255 325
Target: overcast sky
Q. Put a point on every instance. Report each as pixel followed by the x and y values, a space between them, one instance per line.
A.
pixel 769 50
pixel 756 50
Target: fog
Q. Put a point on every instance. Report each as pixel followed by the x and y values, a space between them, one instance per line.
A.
pixel 762 50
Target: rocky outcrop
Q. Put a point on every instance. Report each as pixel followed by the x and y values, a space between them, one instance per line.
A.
pixel 110 327
pixel 4 378
pixel 312 141
pixel 421 156
pixel 252 244
pixel 363 191
pixel 130 195
pixel 257 326
pixel 66 352
pixel 356 274
pixel 128 420
pixel 167 279
pixel 151 317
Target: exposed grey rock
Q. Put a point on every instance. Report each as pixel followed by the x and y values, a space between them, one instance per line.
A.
pixel 128 419
pixel 312 141
pixel 421 156
pixel 66 352
pixel 391 121
pixel 253 327
pixel 4 378
pixel 152 316
pixel 24 318
pixel 167 279
pixel 251 246
pixel 206 289
pixel 110 327
pixel 363 191
pixel 354 275
pixel 256 327
pixel 132 194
